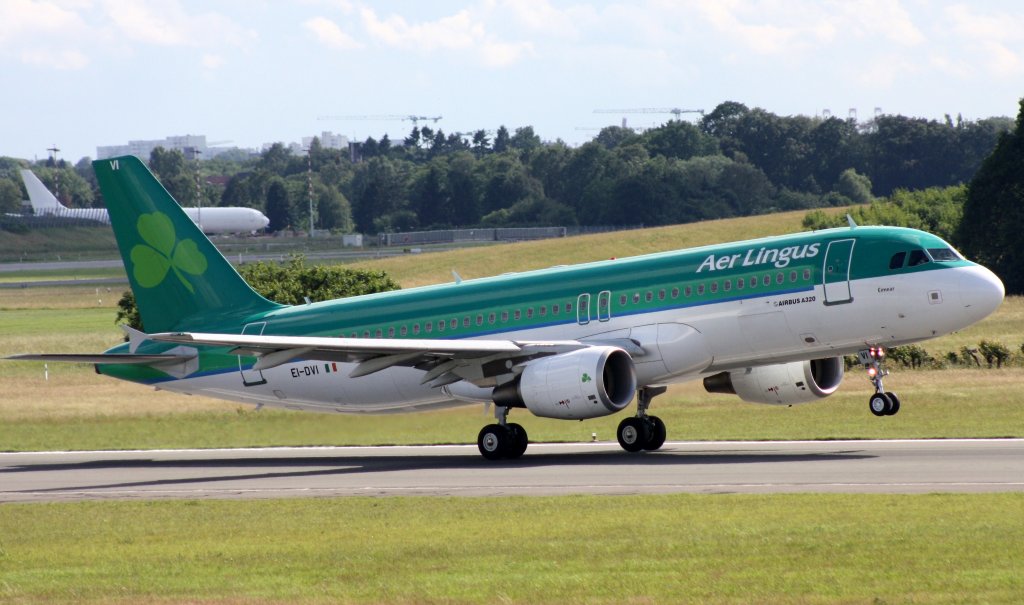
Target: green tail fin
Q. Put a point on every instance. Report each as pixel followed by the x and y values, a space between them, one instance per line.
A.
pixel 180 280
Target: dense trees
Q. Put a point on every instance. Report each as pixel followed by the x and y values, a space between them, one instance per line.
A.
pixel 992 229
pixel 735 161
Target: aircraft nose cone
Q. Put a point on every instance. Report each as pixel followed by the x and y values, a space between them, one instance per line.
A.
pixel 981 291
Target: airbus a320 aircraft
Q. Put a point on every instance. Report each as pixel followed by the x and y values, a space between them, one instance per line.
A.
pixel 768 320
pixel 216 219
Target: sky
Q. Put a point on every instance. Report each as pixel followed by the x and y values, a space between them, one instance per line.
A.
pixel 84 73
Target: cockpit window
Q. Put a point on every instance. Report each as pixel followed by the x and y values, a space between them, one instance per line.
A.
pixel 942 254
pixel 917 257
pixel 896 262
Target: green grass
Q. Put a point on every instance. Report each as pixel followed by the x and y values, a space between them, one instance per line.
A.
pixel 37 275
pixel 67 244
pixel 583 549
pixel 422 269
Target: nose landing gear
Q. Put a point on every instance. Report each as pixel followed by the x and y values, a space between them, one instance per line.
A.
pixel 882 403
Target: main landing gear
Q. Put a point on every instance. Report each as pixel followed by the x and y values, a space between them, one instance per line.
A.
pixel 502 440
pixel 882 403
pixel 642 432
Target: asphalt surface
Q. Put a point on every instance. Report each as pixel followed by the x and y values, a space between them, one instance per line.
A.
pixel 598 468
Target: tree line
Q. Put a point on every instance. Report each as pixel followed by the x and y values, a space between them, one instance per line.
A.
pixel 735 161
pixel 983 218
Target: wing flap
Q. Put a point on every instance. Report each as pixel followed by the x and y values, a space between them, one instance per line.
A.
pixel 126 358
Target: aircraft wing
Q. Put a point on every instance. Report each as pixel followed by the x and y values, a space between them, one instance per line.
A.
pixel 444 361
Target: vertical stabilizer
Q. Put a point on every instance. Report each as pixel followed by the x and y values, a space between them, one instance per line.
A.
pixel 180 280
pixel 42 200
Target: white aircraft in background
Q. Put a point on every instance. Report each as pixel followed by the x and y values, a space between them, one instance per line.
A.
pixel 213 219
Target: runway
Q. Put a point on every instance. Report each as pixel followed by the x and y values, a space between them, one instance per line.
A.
pixel 917 466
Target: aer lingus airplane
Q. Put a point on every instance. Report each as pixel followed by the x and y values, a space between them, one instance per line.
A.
pixel 768 320
pixel 215 219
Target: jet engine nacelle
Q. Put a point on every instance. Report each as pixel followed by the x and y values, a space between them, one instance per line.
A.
pixel 586 383
pixel 784 384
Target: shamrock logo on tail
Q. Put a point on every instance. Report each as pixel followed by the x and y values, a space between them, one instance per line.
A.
pixel 163 253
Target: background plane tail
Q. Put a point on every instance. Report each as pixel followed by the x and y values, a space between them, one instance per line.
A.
pixel 38 195
pixel 180 280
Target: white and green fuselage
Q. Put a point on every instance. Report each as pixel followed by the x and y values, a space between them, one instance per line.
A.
pixel 694 313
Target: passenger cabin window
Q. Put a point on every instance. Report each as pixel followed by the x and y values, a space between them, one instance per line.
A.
pixel 943 255
pixel 896 262
pixel 917 257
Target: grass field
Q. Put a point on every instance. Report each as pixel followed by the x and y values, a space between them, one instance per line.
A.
pixel 803 549
pixel 423 269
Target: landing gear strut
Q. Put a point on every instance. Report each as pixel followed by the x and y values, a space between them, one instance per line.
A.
pixel 642 432
pixel 502 440
pixel 882 403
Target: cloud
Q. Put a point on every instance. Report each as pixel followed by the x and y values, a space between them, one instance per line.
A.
pixel 21 19
pixel 772 28
pixel 330 35
pixel 993 36
pixel 458 32
pixel 212 62
pixel 42 33
pixel 59 59
pixel 166 23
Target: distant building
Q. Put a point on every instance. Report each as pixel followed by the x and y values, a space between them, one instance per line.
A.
pixel 328 140
pixel 191 145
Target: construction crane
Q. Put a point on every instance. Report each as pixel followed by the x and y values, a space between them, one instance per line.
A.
pixel 672 110
pixel 411 118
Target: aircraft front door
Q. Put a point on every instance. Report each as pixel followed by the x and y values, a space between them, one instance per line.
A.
pixel 251 377
pixel 836 273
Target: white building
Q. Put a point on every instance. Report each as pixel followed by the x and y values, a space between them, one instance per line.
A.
pixel 190 145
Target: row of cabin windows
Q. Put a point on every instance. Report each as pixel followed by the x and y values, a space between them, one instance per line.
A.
pixel 727 285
